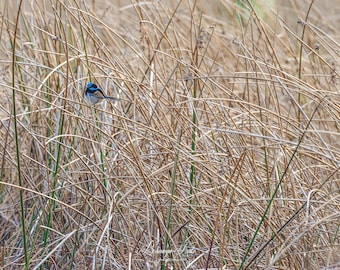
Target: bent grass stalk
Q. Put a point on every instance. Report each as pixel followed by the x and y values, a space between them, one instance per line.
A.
pixel 17 150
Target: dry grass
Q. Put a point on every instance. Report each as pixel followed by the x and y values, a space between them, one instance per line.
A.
pixel 223 153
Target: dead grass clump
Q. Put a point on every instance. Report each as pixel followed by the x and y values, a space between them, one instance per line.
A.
pixel 222 153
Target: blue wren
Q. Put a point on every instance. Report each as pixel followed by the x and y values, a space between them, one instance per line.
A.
pixel 93 94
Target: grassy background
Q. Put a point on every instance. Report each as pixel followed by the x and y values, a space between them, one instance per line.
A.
pixel 222 153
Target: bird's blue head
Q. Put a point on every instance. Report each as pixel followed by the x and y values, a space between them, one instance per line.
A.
pixel 91 86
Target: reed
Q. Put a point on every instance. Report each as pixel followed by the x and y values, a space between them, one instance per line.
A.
pixel 223 151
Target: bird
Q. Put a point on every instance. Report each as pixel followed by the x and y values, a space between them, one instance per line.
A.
pixel 93 94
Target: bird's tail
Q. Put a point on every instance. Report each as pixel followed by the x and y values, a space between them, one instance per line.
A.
pixel 112 98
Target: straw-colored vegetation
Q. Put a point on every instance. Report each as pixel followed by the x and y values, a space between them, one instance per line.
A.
pixel 223 151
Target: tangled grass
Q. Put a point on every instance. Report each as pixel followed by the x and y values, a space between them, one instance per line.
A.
pixel 223 151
